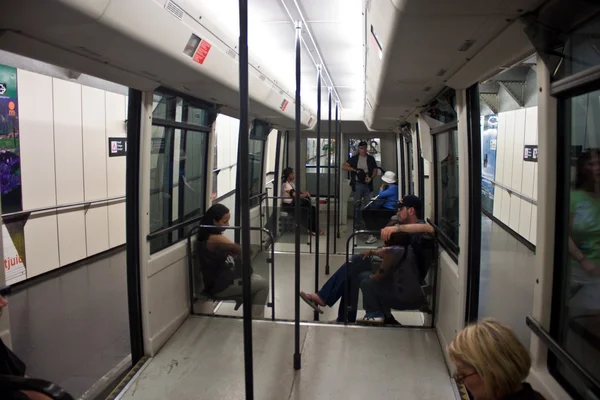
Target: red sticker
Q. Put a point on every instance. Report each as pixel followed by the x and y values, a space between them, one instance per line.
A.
pixel 284 105
pixel 202 52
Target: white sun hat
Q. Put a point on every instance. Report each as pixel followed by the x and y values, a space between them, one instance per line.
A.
pixel 389 177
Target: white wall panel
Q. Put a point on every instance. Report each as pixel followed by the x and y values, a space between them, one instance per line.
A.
pixel 499 193
pixel 115 168
pixel 41 244
pixel 517 169
pixel 95 148
pixel 509 140
pixel 68 153
pixel 36 124
pixel 529 174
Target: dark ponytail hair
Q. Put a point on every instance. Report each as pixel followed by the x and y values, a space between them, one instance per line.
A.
pixel 214 213
pixel 286 173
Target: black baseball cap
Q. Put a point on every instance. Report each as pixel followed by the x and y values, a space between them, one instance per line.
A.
pixel 410 200
pixel 362 144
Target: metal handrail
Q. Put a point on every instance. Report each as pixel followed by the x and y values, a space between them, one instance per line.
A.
pixel 217 170
pixel 272 260
pixel 169 229
pixel 52 208
pixel 562 355
pixel 447 241
pixel 511 191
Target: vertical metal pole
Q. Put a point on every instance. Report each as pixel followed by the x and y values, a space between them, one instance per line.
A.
pixel 132 208
pixel 328 188
pixel 318 218
pixel 244 197
pixel 402 169
pixel 338 171
pixel 297 355
pixel 336 210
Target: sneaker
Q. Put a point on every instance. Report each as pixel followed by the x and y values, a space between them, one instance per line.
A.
pixel 370 239
pixel 371 320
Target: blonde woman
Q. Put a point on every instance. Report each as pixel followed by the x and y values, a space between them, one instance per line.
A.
pixel 491 362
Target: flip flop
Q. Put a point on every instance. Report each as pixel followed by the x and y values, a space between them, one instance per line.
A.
pixel 311 303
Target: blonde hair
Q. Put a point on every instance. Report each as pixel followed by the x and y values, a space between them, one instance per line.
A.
pixel 494 351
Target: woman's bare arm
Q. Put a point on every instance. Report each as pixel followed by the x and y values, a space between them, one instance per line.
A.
pixel 222 243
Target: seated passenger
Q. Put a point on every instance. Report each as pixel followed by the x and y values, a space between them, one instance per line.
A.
pixel 378 212
pixel 360 265
pixel 409 210
pixel 491 362
pixel 11 365
pixel 308 211
pixel 396 285
pixel 219 260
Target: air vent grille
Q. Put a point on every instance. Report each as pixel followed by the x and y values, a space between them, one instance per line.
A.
pixel 174 9
pixel 231 53
pixel 466 45
pixel 441 73
pixel 262 78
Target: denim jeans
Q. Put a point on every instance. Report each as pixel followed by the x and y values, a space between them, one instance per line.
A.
pixel 333 290
pixel 361 192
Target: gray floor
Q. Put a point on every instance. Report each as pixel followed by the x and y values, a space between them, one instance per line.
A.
pixel 506 280
pixel 74 328
pixel 205 360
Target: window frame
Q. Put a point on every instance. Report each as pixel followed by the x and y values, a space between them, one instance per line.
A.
pixel 185 128
pixel 564 91
pixel 452 248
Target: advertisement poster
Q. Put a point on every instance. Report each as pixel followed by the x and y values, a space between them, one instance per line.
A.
pixel 489 144
pixel 10 177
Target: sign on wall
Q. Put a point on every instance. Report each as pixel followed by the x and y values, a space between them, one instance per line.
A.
pixel 13 244
pixel 530 153
pixel 117 147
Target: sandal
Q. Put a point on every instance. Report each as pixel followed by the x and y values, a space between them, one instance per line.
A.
pixel 310 302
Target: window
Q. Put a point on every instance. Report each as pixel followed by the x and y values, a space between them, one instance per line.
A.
pixel 178 165
pixel 446 190
pixel 225 155
pixel 256 148
pixel 576 295
pixel 314 150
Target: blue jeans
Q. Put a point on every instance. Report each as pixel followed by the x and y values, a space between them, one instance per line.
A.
pixel 361 192
pixel 359 269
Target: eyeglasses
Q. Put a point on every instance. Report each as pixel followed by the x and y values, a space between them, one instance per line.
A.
pixel 461 378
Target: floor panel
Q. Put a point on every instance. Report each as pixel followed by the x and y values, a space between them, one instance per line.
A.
pixel 204 360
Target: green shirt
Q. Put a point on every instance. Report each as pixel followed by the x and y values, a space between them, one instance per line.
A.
pixel 585 231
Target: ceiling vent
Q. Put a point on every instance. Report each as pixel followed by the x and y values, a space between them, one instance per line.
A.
pixel 441 73
pixel 174 9
pixel 262 77
pixel 231 53
pixel 466 45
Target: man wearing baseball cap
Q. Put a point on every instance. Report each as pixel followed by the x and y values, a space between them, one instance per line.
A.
pixel 363 169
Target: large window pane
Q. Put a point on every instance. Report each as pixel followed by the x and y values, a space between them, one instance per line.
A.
pixel 447 183
pixel 178 167
pixel 577 291
pixel 256 149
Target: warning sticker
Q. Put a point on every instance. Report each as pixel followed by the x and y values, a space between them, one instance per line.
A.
pixel 202 52
pixel 197 49
pixel 284 105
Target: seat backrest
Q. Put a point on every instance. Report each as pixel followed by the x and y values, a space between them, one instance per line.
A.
pixel 194 267
pixel 428 256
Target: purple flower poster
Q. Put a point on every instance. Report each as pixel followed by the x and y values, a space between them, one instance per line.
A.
pixel 10 178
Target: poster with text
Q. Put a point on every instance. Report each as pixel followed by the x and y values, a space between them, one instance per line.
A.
pixel 10 177
pixel 489 144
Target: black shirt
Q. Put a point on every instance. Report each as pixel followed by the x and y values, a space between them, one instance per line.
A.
pixel 371 165
pixel 527 393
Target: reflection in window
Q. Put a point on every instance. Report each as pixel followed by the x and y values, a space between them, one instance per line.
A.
pixel 314 150
pixel 578 263
pixel 178 167
pixel 256 150
pixel 446 163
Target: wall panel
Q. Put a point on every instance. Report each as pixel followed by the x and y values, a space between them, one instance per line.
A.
pixel 36 123
pixel 509 141
pixel 517 169
pixel 95 148
pixel 115 168
pixel 68 158
pixel 500 150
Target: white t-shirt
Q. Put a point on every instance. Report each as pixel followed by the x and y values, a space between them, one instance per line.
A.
pixel 286 187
